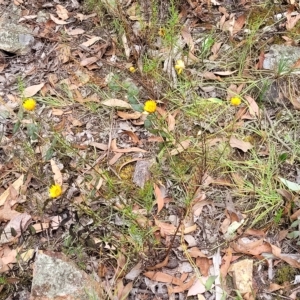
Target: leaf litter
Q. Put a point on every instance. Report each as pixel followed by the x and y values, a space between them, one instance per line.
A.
pixel 101 156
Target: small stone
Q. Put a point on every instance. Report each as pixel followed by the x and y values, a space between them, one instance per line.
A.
pixel 172 264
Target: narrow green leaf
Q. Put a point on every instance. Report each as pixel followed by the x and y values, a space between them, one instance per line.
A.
pixel 209 282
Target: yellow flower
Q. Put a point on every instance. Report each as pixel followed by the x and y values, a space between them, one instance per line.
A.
pixel 55 191
pixel 29 104
pixel 235 101
pixel 132 69
pixel 179 66
pixel 150 106
pixel 161 32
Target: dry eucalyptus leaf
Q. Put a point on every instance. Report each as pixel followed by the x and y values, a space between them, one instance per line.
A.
pixel 16 185
pixel 82 17
pixel 180 147
pixel 90 41
pixel 15 224
pixel 62 12
pixel 75 31
pixel 129 116
pixel 235 143
pixel 57 21
pixel 57 174
pixel 116 103
pixel 32 90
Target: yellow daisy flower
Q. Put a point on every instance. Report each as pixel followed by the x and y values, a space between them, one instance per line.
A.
pixel 29 104
pixel 132 69
pixel 161 32
pixel 235 101
pixel 150 106
pixel 55 191
pixel 180 66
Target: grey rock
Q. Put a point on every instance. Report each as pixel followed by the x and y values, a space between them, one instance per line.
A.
pixel 56 277
pixel 281 57
pixel 14 38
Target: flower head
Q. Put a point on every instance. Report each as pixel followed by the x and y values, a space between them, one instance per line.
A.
pixel 55 191
pixel 132 69
pixel 150 106
pixel 179 66
pixel 29 104
pixel 235 101
pixel 161 32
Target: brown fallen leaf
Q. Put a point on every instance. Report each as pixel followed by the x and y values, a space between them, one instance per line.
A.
pixel 57 174
pixel 198 287
pixel 255 232
pixel 6 213
pixel 88 61
pixel 62 12
pixel 288 258
pixel 57 112
pixel 57 21
pixel 155 139
pixel 129 116
pixel 295 215
pixel 187 37
pixel 273 287
pixel 195 252
pixel 159 198
pixel 115 158
pixel 210 75
pixel 15 224
pixel 100 146
pixel 160 265
pixel 90 41
pixel 16 185
pixel 32 90
pixel 180 147
pixel 180 288
pixel 165 228
pixel 171 122
pixel 236 143
pixel 291 20
pixel 225 73
pixel 158 276
pixel 82 17
pixel 252 248
pixel 75 31
pixel 133 136
pixel 198 207
pixel 128 150
pixel 126 290
pixel 226 263
pixel 203 263
pixel 116 103
pixel 253 107
pixel 215 49
pixel 238 24
pixel 261 59
pixel 39 227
